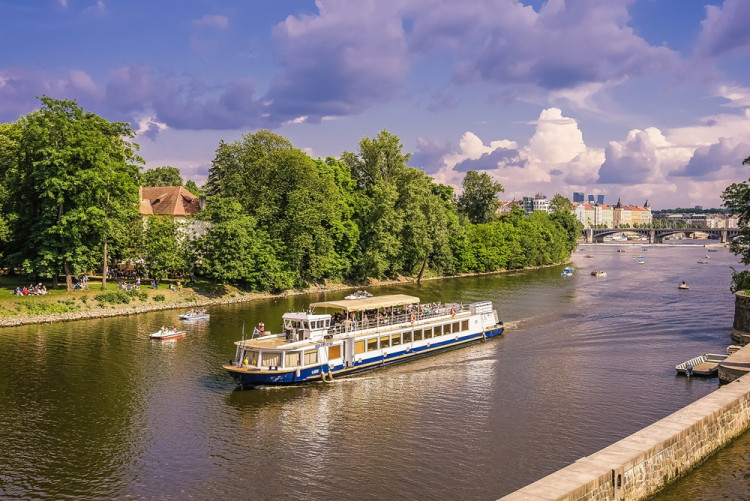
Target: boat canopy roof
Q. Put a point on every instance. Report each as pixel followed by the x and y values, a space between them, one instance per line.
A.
pixel 368 303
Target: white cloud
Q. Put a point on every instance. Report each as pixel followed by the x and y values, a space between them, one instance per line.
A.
pixel 212 21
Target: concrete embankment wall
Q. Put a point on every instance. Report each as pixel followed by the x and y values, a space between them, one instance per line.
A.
pixel 641 464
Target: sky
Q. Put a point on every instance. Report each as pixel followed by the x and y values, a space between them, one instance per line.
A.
pixel 633 99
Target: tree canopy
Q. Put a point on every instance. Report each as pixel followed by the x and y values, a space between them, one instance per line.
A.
pixel 479 200
pixel 162 176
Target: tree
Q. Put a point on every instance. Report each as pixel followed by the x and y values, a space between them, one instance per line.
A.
pixel 479 200
pixel 162 176
pixel 233 250
pixel 69 173
pixel 193 188
pixel 737 199
pixel 560 204
pixel 163 247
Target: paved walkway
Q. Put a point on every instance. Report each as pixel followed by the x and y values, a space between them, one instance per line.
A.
pixel 735 365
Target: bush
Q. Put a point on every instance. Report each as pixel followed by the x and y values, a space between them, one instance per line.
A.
pixel 740 280
pixel 159 297
pixel 113 297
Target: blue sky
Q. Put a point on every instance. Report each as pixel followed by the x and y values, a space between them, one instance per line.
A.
pixel 633 99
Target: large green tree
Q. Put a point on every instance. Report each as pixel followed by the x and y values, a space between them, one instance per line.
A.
pixel 162 176
pixel 479 202
pixel 737 199
pixel 70 173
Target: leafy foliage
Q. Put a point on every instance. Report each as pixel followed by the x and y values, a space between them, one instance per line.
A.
pixel 162 176
pixel 479 200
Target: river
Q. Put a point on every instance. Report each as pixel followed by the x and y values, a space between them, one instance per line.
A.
pixel 96 410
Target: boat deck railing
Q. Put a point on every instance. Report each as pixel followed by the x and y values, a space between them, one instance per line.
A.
pixel 394 319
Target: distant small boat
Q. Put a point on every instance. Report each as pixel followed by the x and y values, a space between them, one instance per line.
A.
pixel 358 295
pixel 194 315
pixel 641 261
pixel 702 261
pixel 703 365
pixel 684 285
pixel 644 249
pixel 621 250
pixel 589 255
pixel 712 250
pixel 706 257
pixel 599 273
pixel 164 334
pixel 640 256
pixel 567 272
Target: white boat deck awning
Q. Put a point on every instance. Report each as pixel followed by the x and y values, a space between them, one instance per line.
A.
pixel 368 303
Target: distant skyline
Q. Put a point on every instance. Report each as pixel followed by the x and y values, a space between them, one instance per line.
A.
pixel 630 99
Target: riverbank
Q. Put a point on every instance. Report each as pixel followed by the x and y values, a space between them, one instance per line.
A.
pixel 60 306
pixel 642 464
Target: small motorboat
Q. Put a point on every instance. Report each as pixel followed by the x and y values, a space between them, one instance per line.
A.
pixel 164 334
pixel 702 261
pixel 568 271
pixel 683 285
pixel 702 365
pixel 599 273
pixel 712 250
pixel 198 314
pixel 359 295
pixel 589 256
pixel 641 261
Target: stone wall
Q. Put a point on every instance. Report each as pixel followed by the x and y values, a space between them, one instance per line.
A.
pixel 641 464
pixel 741 326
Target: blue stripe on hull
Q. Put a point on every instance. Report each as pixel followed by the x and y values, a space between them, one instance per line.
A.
pixel 268 378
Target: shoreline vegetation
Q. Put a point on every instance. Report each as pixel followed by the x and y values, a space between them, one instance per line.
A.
pixel 59 306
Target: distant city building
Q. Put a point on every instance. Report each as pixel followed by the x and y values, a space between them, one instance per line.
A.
pixel 538 202
pixel 600 199
pixel 578 197
pixel 698 207
pixel 591 199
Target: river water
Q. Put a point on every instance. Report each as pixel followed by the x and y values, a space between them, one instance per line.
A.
pixel 96 410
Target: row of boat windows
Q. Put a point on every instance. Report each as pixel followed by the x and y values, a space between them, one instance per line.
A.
pixel 310 357
pixel 385 341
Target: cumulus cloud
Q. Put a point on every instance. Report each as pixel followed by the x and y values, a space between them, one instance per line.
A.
pixel 348 57
pixel 724 30
pixel 498 158
pixel 634 160
pixel 429 154
pixel 709 162
pixel 566 45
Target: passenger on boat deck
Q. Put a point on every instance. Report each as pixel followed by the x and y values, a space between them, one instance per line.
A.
pixel 261 328
pixel 365 320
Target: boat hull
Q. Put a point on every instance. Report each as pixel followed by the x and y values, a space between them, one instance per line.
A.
pixel 251 378
pixel 194 317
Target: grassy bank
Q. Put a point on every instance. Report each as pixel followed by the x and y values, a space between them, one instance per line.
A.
pixel 59 305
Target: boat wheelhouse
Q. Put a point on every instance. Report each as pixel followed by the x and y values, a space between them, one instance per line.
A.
pixel 353 335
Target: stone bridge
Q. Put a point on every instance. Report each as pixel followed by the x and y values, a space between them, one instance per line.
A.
pixel 656 235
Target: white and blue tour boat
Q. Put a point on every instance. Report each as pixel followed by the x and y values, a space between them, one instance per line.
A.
pixel 358 335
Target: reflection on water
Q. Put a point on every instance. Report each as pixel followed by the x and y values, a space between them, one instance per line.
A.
pixel 95 409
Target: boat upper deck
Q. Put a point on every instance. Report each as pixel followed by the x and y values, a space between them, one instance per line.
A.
pixel 344 327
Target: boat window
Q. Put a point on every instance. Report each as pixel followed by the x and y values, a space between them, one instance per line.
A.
pixel 327 323
pixel 437 331
pixel 311 357
pixel 292 359
pixel 334 352
pixel 428 333
pixel 251 357
pixel 418 335
pixel 372 344
pixel 395 339
pixel 305 325
pixel 407 337
pixel 271 359
pixel 456 327
pixel 465 325
pixel 385 341
pixel 359 347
